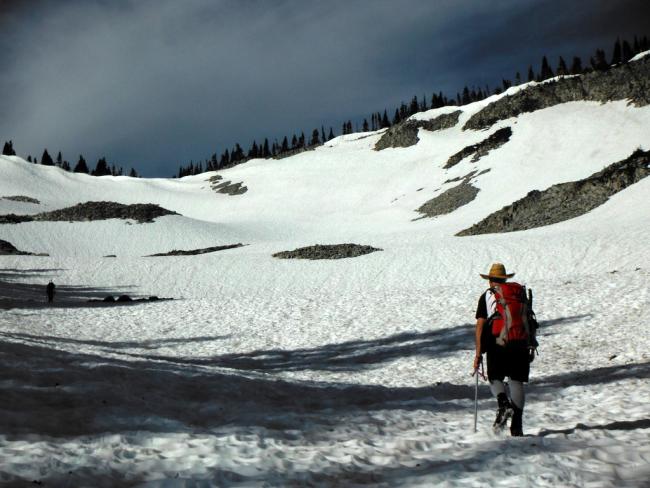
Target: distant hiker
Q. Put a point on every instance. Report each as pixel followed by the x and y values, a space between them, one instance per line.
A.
pixel 505 330
pixel 49 289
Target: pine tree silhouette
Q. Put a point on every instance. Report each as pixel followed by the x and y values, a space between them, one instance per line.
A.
pixel 598 61
pixel 576 66
pixel 617 55
pixel 81 166
pixel 8 149
pixel 546 72
pixel 627 52
pixel 531 74
pixel 46 159
pixel 102 168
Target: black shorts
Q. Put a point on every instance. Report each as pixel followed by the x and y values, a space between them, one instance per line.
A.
pixel 511 361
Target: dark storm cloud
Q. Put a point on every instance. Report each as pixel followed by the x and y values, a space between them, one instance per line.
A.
pixel 154 83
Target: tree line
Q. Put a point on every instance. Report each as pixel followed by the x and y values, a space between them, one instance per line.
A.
pixel 622 52
pixel 102 168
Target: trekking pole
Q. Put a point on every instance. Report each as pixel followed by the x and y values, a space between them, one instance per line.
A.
pixel 476 401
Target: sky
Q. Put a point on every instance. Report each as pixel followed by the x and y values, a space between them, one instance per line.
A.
pixel 153 84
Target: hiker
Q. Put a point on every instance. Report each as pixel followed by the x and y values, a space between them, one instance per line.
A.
pixel 504 333
pixel 49 290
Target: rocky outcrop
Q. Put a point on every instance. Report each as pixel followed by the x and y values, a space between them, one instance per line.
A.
pixel 226 187
pixel 468 176
pixel 8 249
pixel 496 140
pixel 82 212
pixel 327 251
pixel 450 200
pixel 15 219
pixel 21 198
pixel 565 200
pixel 126 299
pixel 627 81
pixel 196 251
pixel 405 133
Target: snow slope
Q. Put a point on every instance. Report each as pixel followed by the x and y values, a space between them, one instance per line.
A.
pixel 355 372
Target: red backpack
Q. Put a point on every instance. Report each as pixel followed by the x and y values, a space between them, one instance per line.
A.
pixel 511 320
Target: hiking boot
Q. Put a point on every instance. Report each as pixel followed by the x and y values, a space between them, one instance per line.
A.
pixel 504 412
pixel 516 429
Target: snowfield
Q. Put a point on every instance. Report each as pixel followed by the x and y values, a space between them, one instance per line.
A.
pixel 350 372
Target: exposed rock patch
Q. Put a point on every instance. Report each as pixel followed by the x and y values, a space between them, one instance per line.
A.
pixel 627 81
pixel 15 219
pixel 226 187
pixel 327 251
pixel 21 198
pixel 565 201
pixel 194 252
pixel 126 299
pixel 8 249
pixel 405 133
pixel 450 200
pixel 468 176
pixel 142 212
pixel 230 188
pixel 496 140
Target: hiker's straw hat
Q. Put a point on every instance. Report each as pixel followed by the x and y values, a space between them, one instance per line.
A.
pixel 497 270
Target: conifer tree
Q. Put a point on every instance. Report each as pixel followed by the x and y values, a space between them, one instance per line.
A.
pixel 81 166
pixel 294 142
pixel 627 52
pixel 65 166
pixel 29 158
pixel 102 168
pixel 59 160
pixel 546 72
pixel 598 61
pixel 46 159
pixel 322 133
pixel 330 136
pixel 384 121
pixel 576 66
pixel 285 145
pixel 133 173
pixel 561 67
pixel 253 151
pixel 8 149
pixel 266 151
pixel 645 44
pixel 465 98
pixel 617 55
pixel 396 117
pixel 531 74
pixel 225 159
pixel 413 108
pixel 301 140
pixel 314 138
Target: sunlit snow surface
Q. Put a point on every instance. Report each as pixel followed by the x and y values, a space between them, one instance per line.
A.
pixel 354 372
